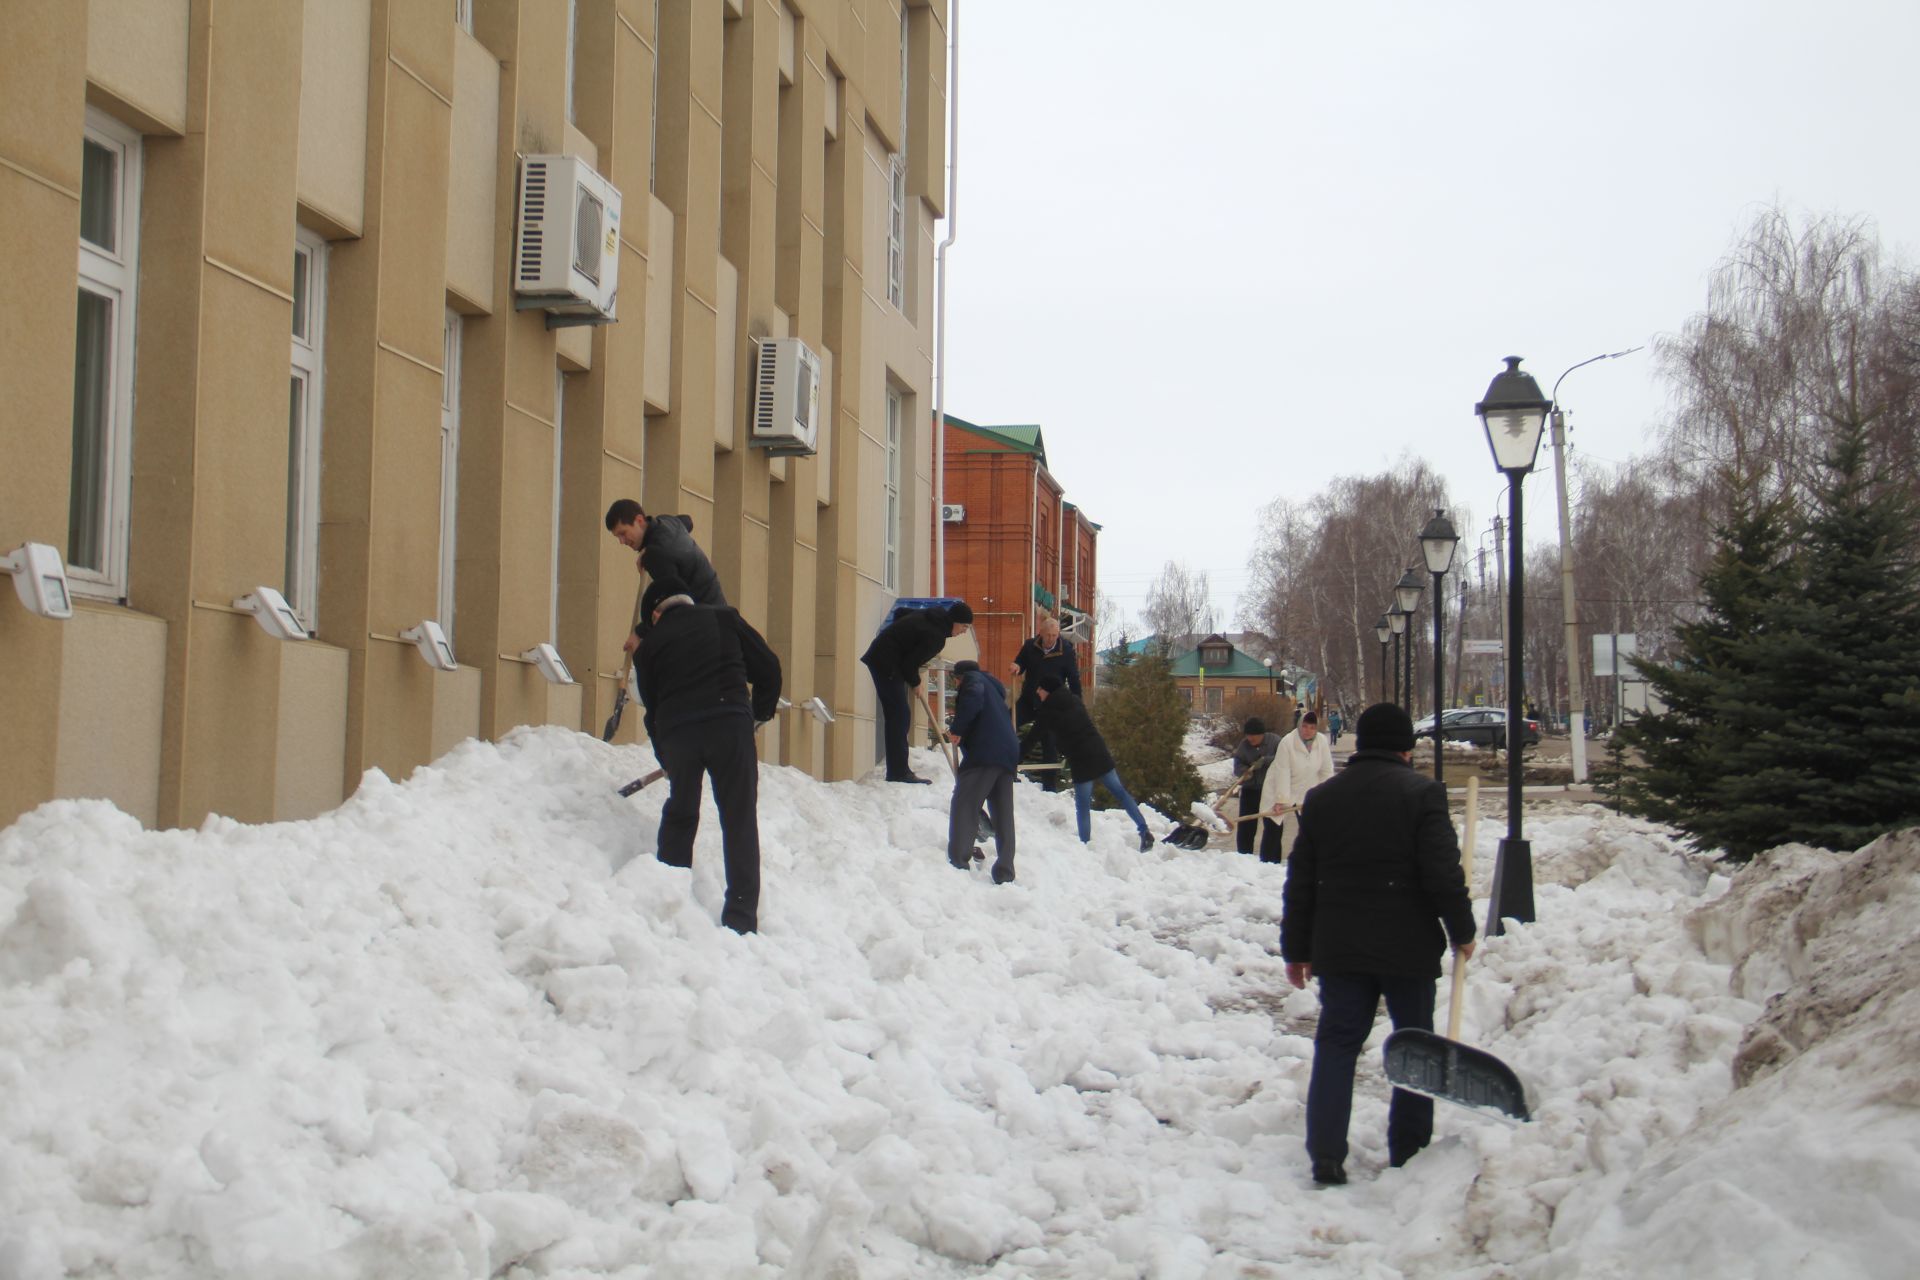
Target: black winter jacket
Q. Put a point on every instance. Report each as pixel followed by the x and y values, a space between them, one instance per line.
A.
pixel 980 720
pixel 697 661
pixel 669 551
pixel 1247 756
pixel 908 643
pixel 1065 717
pixel 1374 874
pixel 1034 662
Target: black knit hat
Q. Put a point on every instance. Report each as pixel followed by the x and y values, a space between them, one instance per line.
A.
pixel 1253 725
pixel 959 612
pixel 1383 727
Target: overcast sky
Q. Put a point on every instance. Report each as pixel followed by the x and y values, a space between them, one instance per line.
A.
pixel 1224 252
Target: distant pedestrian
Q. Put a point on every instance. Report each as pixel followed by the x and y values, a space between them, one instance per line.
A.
pixel 894 659
pixel 1066 718
pixel 1374 893
pixel 1302 762
pixel 1335 723
pixel 1047 653
pixel 989 760
pixel 693 670
pixel 1250 761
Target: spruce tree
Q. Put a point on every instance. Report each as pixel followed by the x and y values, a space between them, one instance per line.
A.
pixel 1140 715
pixel 1687 750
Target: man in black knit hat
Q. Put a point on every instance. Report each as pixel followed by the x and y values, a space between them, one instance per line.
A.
pixel 894 659
pixel 1374 894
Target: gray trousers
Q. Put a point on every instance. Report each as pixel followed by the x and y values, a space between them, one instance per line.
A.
pixel 972 786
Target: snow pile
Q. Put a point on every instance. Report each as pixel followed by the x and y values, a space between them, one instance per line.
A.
pixel 457 1028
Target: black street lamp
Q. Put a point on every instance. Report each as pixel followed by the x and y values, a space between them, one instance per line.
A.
pixel 1514 413
pixel 1406 593
pixel 1397 620
pixel 1383 633
pixel 1271 691
pixel 1437 542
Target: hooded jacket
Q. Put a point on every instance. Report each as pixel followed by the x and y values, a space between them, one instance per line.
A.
pixel 668 551
pixel 909 643
pixel 981 722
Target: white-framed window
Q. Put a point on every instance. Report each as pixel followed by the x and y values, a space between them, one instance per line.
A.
pixel 890 528
pixel 103 352
pixel 305 405
pixel 450 338
pixel 897 231
pixel 463 15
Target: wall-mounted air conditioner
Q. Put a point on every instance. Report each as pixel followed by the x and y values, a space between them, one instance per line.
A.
pixel 952 512
pixel 786 398
pixel 566 249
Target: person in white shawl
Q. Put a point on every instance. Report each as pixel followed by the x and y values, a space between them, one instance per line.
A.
pixel 1303 762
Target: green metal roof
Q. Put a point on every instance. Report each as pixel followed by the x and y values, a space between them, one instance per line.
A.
pixel 1019 438
pixel 1239 666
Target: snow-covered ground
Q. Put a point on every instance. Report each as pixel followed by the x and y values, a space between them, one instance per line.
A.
pixel 468 1027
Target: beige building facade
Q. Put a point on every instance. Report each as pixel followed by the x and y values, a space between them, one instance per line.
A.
pixel 291 357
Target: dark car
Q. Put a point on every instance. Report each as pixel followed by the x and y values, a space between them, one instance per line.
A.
pixel 1483 727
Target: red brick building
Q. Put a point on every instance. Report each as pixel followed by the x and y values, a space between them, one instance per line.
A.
pixel 1015 547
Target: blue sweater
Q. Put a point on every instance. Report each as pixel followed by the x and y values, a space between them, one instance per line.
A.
pixel 980 719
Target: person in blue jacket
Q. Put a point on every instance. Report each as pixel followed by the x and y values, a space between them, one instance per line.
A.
pixel 989 762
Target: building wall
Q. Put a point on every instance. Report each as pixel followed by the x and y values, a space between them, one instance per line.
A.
pixel 755 204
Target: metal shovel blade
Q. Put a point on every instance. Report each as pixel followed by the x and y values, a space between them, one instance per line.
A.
pixel 1424 1062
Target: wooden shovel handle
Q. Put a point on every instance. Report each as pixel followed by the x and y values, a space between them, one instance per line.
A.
pixel 1466 869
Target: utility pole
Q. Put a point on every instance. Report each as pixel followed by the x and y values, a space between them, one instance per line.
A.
pixel 1500 590
pixel 1576 693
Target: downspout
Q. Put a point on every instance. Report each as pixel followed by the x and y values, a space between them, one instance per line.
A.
pixel 940 301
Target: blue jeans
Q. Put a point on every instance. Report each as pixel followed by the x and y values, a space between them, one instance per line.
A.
pixel 1083 802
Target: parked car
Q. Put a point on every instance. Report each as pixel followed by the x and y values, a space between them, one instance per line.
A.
pixel 1482 726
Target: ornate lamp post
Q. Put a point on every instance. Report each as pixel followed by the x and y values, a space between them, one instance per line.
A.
pixel 1406 594
pixel 1514 414
pixel 1383 633
pixel 1397 621
pixel 1437 542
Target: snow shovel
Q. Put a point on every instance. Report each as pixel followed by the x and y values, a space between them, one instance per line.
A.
pixel 626 673
pixel 1422 1062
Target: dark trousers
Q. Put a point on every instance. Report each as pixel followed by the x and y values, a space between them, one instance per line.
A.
pixel 1273 837
pixel 1038 744
pixel 1244 833
pixel 896 718
pixel 1348 1003
pixel 721 748
pixel 972 786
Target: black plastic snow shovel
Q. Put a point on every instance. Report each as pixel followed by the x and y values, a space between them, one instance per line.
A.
pixel 1442 1067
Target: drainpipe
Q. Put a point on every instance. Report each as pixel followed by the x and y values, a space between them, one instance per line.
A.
pixel 940 302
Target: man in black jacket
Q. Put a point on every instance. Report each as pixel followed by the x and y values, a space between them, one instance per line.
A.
pixel 1374 877
pixel 1063 715
pixel 1250 761
pixel 667 550
pixel 1047 653
pixel 894 659
pixel 694 666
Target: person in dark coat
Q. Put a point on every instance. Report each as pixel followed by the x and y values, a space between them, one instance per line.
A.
pixel 1065 717
pixel 693 669
pixel 894 660
pixel 1045 654
pixel 667 550
pixel 989 761
pixel 1374 894
pixel 1250 761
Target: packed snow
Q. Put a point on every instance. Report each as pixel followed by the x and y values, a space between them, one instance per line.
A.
pixel 467 1026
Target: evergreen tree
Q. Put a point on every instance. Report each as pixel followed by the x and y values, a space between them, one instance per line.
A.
pixel 1686 750
pixel 1140 715
pixel 1846 663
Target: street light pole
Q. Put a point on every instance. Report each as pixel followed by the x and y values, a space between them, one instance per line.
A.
pixel 1383 633
pixel 1576 692
pixel 1406 593
pixel 1398 621
pixel 1514 413
pixel 1437 542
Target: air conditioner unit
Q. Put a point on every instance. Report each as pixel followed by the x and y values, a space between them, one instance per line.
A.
pixel 786 398
pixel 566 255
pixel 952 512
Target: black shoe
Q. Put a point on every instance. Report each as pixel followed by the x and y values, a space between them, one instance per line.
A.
pixel 1399 1158
pixel 960 866
pixel 680 860
pixel 1329 1173
pixel 979 854
pixel 912 777
pixel 1003 873
pixel 1146 840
